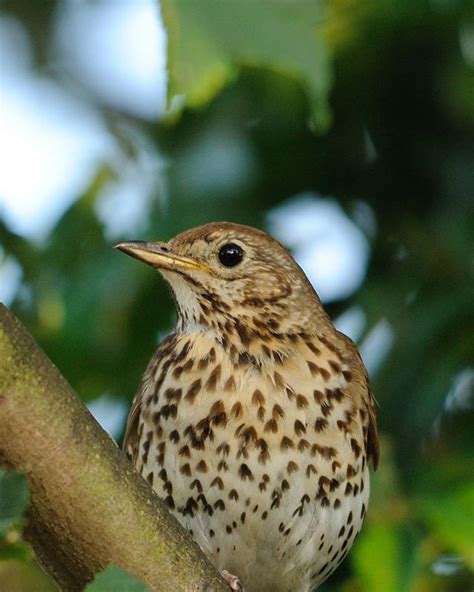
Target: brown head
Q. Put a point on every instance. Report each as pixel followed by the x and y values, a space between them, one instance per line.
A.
pixel 224 273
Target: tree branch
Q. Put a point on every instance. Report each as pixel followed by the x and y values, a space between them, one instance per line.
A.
pixel 88 506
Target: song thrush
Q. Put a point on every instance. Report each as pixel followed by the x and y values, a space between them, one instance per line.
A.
pixel 254 420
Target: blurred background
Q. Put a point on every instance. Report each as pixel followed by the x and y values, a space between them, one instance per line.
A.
pixel 344 129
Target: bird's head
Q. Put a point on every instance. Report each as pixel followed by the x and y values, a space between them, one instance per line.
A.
pixel 223 273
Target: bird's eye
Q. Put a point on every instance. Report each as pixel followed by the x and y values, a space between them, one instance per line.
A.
pixel 230 255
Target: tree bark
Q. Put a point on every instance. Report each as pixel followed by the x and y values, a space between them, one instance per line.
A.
pixel 88 506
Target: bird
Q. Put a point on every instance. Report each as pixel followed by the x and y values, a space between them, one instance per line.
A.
pixel 254 420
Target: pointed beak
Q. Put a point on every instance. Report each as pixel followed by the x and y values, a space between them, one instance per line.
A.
pixel 159 256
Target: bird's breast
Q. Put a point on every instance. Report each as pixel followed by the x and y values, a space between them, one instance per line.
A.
pixel 257 452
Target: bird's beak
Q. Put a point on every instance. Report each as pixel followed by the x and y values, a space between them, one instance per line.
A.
pixel 160 256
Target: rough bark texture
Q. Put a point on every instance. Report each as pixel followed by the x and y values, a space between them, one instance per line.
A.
pixel 88 506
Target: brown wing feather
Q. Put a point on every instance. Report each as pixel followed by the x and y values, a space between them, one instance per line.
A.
pixel 131 438
pixel 359 388
pixel 132 430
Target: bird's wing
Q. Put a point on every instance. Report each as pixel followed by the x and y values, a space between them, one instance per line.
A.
pixel 147 387
pixel 359 388
pixel 131 438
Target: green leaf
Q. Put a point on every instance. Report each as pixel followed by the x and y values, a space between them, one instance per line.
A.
pixel 14 498
pixel 210 40
pixel 115 579
pixel 376 558
pixel 449 516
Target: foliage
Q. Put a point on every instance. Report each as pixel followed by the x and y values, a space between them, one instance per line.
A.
pixel 18 571
pixel 114 579
pixel 397 157
pixel 13 502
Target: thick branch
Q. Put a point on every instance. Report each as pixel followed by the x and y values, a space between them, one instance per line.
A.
pixel 88 506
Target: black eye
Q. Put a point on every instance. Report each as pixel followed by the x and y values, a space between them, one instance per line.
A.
pixel 230 255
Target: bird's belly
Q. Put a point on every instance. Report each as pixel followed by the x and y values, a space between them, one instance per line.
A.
pixel 269 473
pixel 290 548
pixel 282 525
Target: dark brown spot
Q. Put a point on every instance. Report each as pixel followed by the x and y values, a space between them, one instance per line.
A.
pixel 326 452
pixel 299 428
pixel 217 482
pixel 233 495
pixel 291 467
pixel 264 455
pixel 347 375
pixel 174 436
pixel 177 371
pixel 237 410
pixel 169 411
pixel 217 408
pixel 196 484
pixel 271 426
pixel 325 374
pixel 173 394
pixel 278 380
pixel 243 333
pixel 189 365
pixel 219 505
pixel 301 401
pixel 303 445
pixel 316 351
pixel 229 385
pixel 351 472
pixel 249 434
pixel 277 411
pixel 222 466
pixel 193 390
pixel 318 396
pixel 223 449
pixel 310 469
pixel 313 368
pixel 326 408
pixel 355 447
pixel 203 363
pixel 213 378
pixel 201 466
pixel 186 470
pixel 258 398
pixel 245 473
pixel 286 443
pixel 320 424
